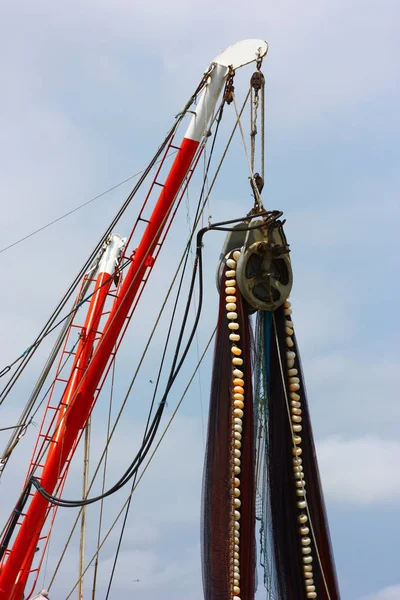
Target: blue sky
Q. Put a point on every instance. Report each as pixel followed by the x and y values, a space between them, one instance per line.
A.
pixel 89 90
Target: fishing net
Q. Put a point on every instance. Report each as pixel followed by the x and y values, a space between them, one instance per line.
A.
pixel 217 483
pixel 277 500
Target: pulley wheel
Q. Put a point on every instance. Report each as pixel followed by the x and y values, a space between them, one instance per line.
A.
pixel 264 275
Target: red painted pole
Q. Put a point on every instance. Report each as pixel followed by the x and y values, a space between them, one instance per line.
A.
pixel 16 570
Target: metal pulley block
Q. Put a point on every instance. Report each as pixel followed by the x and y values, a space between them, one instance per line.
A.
pixel 264 273
pixel 257 80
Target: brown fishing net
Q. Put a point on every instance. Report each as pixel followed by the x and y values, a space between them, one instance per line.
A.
pixel 217 485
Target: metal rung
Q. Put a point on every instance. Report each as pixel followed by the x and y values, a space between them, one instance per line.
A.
pixel 160 184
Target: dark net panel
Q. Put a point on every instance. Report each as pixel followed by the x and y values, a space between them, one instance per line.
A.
pixel 217 482
pixel 282 495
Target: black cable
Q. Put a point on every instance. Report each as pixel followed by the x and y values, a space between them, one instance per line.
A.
pixel 176 367
pixel 16 514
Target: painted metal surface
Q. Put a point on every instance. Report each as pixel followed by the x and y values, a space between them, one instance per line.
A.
pixel 242 53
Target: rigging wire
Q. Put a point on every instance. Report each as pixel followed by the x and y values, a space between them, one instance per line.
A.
pixel 73 210
pixel 197 336
pixel 85 481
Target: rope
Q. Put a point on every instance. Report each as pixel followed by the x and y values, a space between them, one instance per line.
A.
pixel 85 479
pixel 263 131
pixel 256 192
pixel 253 130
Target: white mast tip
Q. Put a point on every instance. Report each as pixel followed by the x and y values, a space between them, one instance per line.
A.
pixel 242 53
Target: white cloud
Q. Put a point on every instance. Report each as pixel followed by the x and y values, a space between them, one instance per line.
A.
pixel 388 593
pixel 361 472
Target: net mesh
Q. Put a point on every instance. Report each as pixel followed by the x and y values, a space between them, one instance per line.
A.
pixel 280 542
pixel 217 535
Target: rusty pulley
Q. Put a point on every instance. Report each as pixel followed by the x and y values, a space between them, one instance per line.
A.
pixel 257 80
pixel 229 87
pixel 264 273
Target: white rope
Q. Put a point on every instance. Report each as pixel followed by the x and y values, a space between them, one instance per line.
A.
pixel 255 189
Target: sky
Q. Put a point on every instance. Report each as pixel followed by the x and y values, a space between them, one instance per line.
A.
pixel 89 90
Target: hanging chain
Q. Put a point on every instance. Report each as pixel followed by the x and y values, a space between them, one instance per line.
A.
pixel 229 87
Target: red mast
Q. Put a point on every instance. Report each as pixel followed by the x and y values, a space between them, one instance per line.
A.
pixel 91 362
